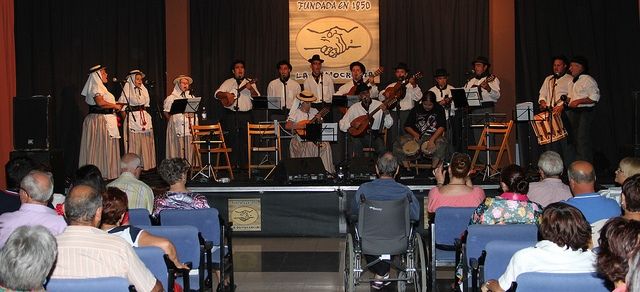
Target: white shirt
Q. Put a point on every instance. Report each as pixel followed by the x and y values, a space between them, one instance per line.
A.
pixel 408 102
pixel 323 93
pixel 441 94
pixel 487 96
pixel 138 193
pixel 244 100
pixel 547 257
pixel 94 88
pixel 585 87
pixel 137 96
pixel 554 88
pixel 344 89
pixel 296 115
pixel 277 88
pixel 178 121
pixel 357 110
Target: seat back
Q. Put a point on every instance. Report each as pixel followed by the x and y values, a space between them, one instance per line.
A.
pixel 205 220
pixel 384 226
pixel 106 284
pixel 499 253
pixel 449 224
pixel 139 216
pixel 557 282
pixel 479 235
pixel 208 134
pixel 153 259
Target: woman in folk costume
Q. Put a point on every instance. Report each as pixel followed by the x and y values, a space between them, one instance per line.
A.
pixel 179 125
pixel 139 138
pixel 99 145
pixel 298 147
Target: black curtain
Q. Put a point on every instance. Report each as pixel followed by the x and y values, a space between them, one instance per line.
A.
pixel 58 41
pixel 425 34
pixel 607 33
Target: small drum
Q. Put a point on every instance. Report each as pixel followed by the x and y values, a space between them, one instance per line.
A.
pixel 410 148
pixel 426 150
pixel 548 130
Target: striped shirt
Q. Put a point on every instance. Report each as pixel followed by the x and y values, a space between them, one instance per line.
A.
pixel 88 252
pixel 139 194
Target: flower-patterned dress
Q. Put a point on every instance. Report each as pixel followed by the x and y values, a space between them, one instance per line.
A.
pixel 508 208
pixel 179 200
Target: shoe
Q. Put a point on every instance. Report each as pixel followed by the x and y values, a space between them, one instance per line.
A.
pixel 380 284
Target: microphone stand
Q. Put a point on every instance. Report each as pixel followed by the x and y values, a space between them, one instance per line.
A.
pixel 236 107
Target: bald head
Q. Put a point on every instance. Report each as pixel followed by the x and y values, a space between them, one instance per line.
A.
pixel 36 187
pixel 582 177
pixel 82 205
pixel 131 162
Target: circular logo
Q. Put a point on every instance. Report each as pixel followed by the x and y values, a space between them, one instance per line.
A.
pixel 338 40
pixel 244 216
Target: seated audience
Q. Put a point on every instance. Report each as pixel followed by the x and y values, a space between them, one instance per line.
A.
pixel 631 198
pixel 174 171
pixel 89 175
pixel 628 167
pixel 582 179
pixel 84 251
pixel 114 209
pixel 385 188
pixel 513 205
pixel 619 242
pixel 26 259
pixel 565 235
pixel 139 194
pixel 550 188
pixel 459 192
pixel 36 189
pixel 15 170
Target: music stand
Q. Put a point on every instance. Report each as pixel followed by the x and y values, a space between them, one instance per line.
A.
pixel 473 96
pixel 524 113
pixel 329 132
pixel 267 103
pixel 184 106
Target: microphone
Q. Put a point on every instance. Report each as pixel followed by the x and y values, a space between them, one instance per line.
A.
pixel 149 83
pixel 470 72
pixel 114 79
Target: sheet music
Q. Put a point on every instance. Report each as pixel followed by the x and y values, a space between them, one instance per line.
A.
pixel 473 96
pixel 330 132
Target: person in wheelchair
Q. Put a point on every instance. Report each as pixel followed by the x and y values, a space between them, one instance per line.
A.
pixel 385 188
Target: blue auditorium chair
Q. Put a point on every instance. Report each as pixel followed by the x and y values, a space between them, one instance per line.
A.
pixel 498 255
pixel 560 282
pixel 139 216
pixel 106 284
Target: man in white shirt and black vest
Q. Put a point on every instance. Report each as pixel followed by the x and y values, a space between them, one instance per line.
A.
pixel 582 98
pixel 321 85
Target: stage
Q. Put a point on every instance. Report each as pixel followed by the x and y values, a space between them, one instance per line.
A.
pixel 269 209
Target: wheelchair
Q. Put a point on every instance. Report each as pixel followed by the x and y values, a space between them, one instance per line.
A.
pixel 383 229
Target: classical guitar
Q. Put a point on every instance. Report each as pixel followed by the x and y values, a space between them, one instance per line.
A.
pixel 400 88
pixel 227 100
pixel 352 91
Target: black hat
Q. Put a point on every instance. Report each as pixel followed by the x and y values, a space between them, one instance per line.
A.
pixel 402 66
pixel 481 59
pixel 315 58
pixel 582 61
pixel 96 68
pixel 362 88
pixel 440 72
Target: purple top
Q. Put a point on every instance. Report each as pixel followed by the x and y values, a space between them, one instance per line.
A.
pixel 179 200
pixel 30 215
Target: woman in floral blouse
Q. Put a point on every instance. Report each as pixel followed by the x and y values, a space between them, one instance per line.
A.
pixel 174 172
pixel 512 206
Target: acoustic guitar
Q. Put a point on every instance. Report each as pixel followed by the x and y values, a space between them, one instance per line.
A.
pixel 228 100
pixel 302 125
pixel 352 91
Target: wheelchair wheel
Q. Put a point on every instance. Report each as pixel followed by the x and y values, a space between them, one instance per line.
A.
pixel 349 266
pixel 419 277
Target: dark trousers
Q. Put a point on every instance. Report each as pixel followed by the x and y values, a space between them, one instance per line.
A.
pixel 371 139
pixel 580 120
pixel 235 126
pixel 397 130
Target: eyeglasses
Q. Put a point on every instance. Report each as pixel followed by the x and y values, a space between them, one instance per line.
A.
pixel 619 170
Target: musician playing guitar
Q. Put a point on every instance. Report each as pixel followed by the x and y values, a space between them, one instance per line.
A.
pixel 379 119
pixel 236 94
pixel 401 109
pixel 357 74
pixel 298 119
pixel 488 89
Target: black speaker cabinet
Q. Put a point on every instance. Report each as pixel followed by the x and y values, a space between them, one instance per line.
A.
pixel 52 160
pixel 300 170
pixel 362 168
pixel 33 122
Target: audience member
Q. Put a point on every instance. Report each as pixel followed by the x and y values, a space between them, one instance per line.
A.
pixel 84 251
pixel 628 167
pixel 15 170
pixel 513 205
pixel 385 188
pixel 619 242
pixel 174 171
pixel 139 194
pixel 565 235
pixel 459 192
pixel 114 209
pixel 631 198
pixel 89 175
pixel 26 259
pixel 595 207
pixel 36 189
pixel 550 188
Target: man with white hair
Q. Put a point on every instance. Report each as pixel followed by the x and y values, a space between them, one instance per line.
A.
pixel 36 189
pixel 139 194
pixel 26 259
pixel 550 188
